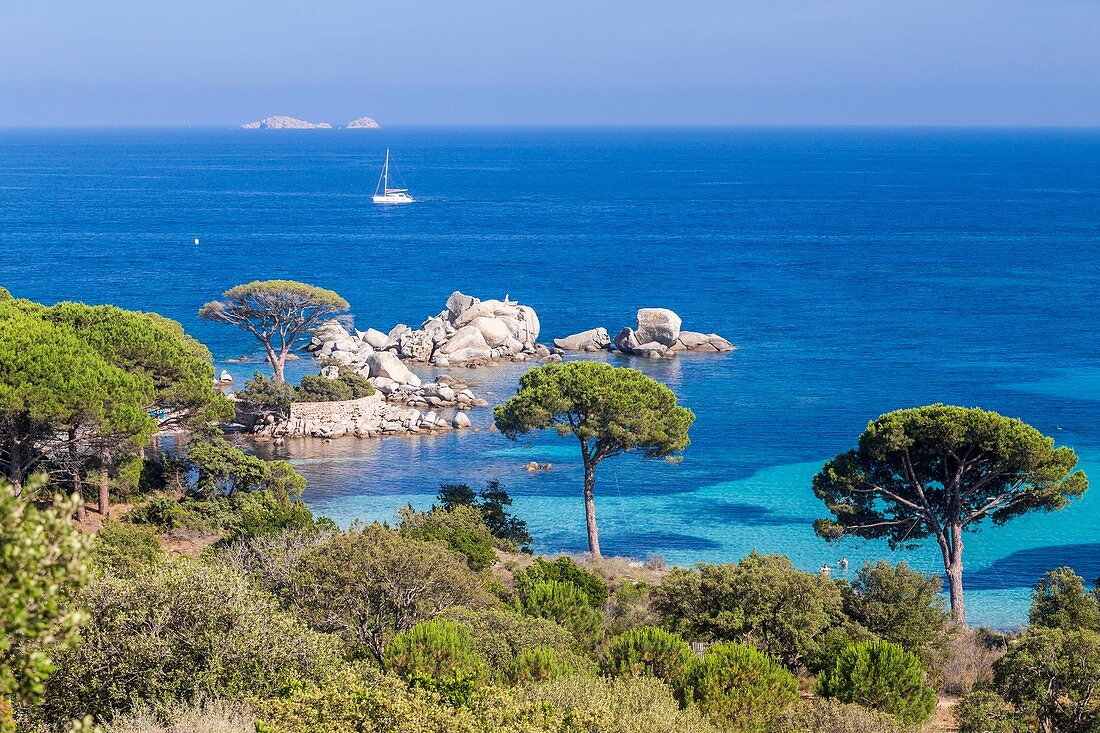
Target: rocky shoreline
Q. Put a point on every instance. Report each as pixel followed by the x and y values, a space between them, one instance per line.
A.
pixel 468 332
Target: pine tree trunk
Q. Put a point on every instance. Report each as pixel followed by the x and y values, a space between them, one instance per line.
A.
pixel 590 508
pixel 104 482
pixel 953 566
pixel 15 472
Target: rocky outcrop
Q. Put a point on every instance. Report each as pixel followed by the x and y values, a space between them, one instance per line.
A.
pixel 594 339
pixel 282 122
pixel 658 325
pixel 658 335
pixel 363 123
pixel 468 331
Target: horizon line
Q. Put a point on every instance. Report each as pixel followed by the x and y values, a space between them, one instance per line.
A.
pixel 580 125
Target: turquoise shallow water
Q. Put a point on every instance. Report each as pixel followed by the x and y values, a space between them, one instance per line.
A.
pixel 858 270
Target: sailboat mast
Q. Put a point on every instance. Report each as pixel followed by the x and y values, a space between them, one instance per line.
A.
pixel 386 173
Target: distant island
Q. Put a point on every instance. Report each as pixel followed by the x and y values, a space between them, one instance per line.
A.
pixel 282 122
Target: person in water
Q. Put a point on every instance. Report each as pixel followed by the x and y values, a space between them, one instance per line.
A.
pixel 825 569
pixel 843 563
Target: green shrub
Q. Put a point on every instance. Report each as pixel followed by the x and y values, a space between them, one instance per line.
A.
pixel 1060 600
pixel 986 712
pixel 369 583
pixel 438 656
pixel 510 532
pixel 267 512
pixel 460 528
pixel 534 665
pixel 881 676
pixel 383 704
pixel 820 715
pixel 831 642
pixel 267 394
pixel 357 385
pixel 738 686
pixel 563 570
pixel 567 605
pixel 43 562
pixel 899 605
pixel 648 651
pixel 501 634
pixel 762 599
pixel 181 631
pixel 630 607
pixel 1052 674
pixel 315 388
pixel 123 549
pixel 163 512
pixel 613 705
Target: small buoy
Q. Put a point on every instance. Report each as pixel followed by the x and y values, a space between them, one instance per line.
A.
pixel 196 240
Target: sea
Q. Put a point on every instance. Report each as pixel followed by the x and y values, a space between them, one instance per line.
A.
pixel 857 270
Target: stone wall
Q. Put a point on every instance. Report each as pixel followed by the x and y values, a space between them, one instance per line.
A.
pixel 366 417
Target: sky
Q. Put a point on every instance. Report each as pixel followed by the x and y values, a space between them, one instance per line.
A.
pixel 535 62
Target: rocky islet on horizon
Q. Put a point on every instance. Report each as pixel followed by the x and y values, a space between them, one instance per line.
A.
pixel 283 122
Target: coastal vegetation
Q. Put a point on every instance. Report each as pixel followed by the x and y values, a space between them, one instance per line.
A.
pixel 277 312
pixel 610 410
pixel 939 471
pixel 210 598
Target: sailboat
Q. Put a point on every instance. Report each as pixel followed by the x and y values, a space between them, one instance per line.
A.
pixel 390 195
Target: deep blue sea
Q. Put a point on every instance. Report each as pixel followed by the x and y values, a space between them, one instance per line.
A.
pixel 858 271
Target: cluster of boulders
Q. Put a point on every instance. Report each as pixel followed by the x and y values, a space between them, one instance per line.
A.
pixel 657 335
pixel 366 417
pixel 468 332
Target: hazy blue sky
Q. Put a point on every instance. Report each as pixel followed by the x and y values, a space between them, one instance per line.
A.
pixel 221 62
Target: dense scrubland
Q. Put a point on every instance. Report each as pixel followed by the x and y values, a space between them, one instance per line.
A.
pixel 203 595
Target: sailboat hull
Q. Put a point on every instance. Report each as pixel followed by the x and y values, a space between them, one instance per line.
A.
pixel 393 198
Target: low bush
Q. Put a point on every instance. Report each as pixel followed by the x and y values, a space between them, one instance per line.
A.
pixel 315 388
pixel 819 715
pixel 181 631
pixel 370 583
pixel 881 676
pixel 534 665
pixel 563 570
pixel 648 651
pixel 501 634
pixel 898 604
pixel 240 516
pixel 630 606
pixel 267 394
pixel 1060 599
pixel 439 656
pixel 509 532
pixel 761 600
pixel 968 659
pixel 124 549
pixel 461 528
pixel 375 703
pixel 606 705
pixel 739 687
pixel 1052 674
pixel 203 716
pixel 567 605
pixel 986 712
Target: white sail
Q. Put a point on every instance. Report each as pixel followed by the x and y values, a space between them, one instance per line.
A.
pixel 383 193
